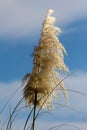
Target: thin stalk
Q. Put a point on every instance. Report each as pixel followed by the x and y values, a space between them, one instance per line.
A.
pixel 34 114
pixel 9 99
pixel 28 119
pixel 9 121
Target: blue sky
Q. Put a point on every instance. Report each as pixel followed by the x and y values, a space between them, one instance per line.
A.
pixel 20 30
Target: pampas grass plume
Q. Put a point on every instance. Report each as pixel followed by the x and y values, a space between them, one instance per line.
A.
pixel 48 62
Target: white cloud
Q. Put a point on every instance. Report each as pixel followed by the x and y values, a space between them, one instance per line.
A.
pixel 76 86
pixel 6 89
pixel 76 111
pixel 62 125
pixel 19 17
pixel 11 93
pixel 46 125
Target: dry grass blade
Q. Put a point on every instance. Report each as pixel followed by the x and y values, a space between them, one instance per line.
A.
pixel 28 119
pixel 9 99
pixel 57 127
pixel 10 118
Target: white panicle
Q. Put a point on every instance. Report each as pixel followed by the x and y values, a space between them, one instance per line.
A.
pixel 48 62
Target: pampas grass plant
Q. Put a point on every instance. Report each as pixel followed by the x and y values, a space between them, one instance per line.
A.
pixel 48 61
pixel 42 86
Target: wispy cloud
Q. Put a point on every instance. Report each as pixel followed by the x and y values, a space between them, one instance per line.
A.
pixel 7 90
pixel 62 125
pixel 19 18
pixel 77 85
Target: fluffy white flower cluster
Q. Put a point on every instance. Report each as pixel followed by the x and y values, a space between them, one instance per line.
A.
pixel 44 80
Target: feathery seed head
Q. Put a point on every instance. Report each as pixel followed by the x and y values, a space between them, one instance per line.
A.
pixel 50 11
pixel 48 61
